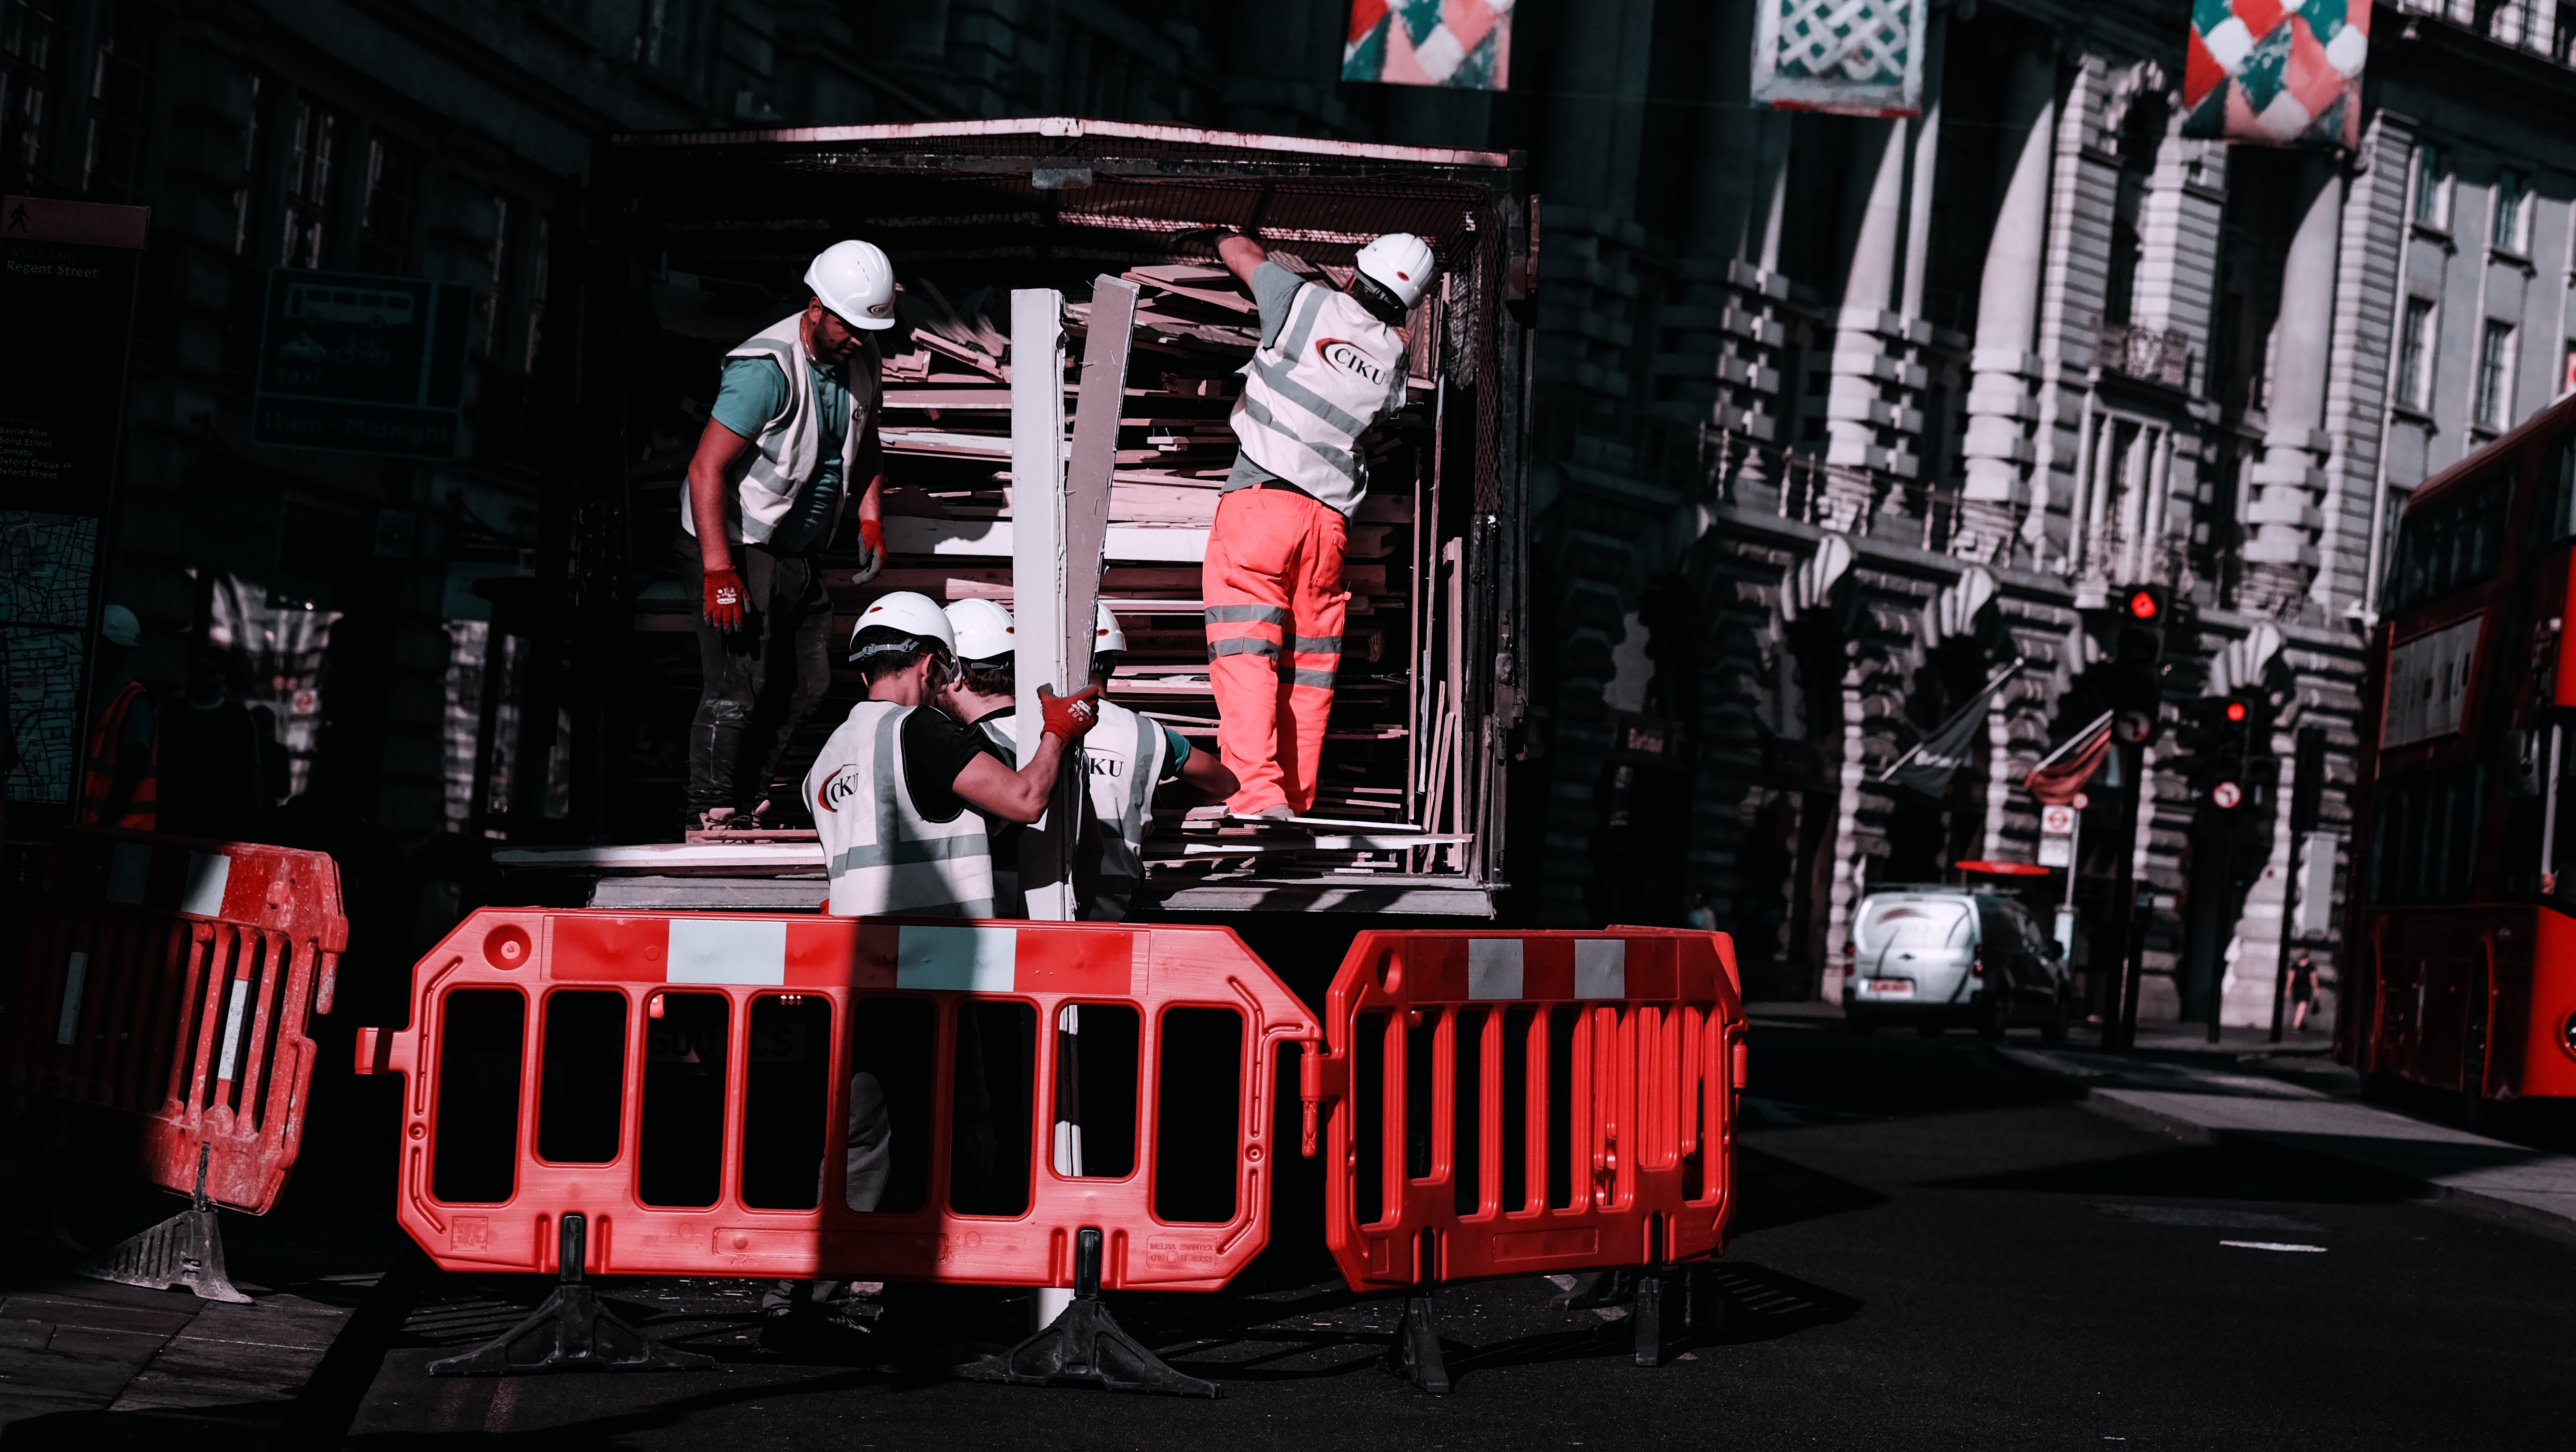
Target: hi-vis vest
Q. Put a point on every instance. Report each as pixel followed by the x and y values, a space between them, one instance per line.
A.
pixel 1007 899
pixel 1311 392
pixel 1124 756
pixel 885 858
pixel 784 458
pixel 98 806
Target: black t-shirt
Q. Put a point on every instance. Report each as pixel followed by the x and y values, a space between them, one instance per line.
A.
pixel 935 749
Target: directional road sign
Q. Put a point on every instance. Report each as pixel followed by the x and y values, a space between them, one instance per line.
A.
pixel 361 365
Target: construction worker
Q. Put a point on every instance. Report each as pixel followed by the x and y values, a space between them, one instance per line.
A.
pixel 120 784
pixel 1331 364
pixel 792 438
pixel 901 791
pixel 1125 757
pixel 982 693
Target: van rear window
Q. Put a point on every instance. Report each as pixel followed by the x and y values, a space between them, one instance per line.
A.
pixel 1913 923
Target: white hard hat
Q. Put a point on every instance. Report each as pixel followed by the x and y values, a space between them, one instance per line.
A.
pixel 1401 263
pixel 910 612
pixel 1108 636
pixel 855 280
pixel 983 630
pixel 117 626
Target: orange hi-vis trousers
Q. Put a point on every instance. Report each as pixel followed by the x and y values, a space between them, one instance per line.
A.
pixel 1273 583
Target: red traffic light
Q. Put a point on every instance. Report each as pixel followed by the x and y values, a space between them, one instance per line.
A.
pixel 2236 710
pixel 2142 605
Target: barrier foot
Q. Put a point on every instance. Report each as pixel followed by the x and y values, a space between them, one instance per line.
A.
pixel 572 1331
pixel 1661 1312
pixel 184 1252
pixel 1416 1354
pixel 1084 1346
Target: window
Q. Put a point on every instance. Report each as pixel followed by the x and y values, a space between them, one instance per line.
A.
pixel 30 42
pixel 113 166
pixel 2567 370
pixel 536 301
pixel 2562 41
pixel 384 219
pixel 2415 354
pixel 246 196
pixel 2452 542
pixel 308 185
pixel 667 42
pixel 2509 209
pixel 2432 186
pixel 495 306
pixel 2426 838
pixel 2495 376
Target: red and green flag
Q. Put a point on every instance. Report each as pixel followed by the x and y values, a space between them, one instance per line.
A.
pixel 2276 72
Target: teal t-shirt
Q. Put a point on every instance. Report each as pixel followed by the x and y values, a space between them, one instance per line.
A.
pixel 753 392
pixel 1177 752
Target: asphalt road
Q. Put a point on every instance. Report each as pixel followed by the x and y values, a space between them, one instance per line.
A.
pixel 1933 1249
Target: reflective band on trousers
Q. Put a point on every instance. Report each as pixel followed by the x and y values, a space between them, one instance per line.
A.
pixel 784 458
pixel 883 855
pixel 1309 395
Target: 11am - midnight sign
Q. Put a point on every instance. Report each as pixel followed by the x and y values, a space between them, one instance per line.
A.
pixel 361 365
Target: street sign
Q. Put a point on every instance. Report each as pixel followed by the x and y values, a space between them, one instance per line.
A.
pixel 2134 727
pixel 2056 821
pixel 361 365
pixel 2227 794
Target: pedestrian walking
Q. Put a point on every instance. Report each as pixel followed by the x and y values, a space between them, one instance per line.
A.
pixel 213 780
pixel 120 778
pixel 2303 991
pixel 1331 364
pixel 789 443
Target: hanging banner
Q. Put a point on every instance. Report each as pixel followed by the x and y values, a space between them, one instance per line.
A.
pixel 2276 72
pixel 1858 57
pixel 1464 44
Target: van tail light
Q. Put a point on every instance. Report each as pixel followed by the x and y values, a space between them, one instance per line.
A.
pixel 1977 964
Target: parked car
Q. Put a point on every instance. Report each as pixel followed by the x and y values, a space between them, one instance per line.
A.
pixel 1937 956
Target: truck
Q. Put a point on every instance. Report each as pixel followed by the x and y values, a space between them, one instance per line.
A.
pixel 696 240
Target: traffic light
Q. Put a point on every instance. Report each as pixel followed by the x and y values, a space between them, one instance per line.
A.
pixel 2134 684
pixel 2228 739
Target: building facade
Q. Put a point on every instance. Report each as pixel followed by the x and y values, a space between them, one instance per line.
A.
pixel 1838 418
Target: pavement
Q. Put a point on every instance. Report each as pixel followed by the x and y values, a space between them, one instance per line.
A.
pixel 2264 1098
pixel 1937 1243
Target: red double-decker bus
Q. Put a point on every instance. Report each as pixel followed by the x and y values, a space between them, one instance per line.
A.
pixel 2461 933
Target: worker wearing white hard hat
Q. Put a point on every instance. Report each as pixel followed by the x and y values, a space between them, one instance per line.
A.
pixel 789 451
pixel 907 798
pixel 1130 757
pixel 1331 364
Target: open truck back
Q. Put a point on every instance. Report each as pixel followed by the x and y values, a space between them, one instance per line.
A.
pixel 700 239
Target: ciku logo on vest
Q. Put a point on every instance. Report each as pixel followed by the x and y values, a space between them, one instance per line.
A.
pixel 1345 355
pixel 1105 765
pixel 836 790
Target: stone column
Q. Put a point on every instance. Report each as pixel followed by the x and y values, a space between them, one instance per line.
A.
pixel 2001 405
pixel 1863 423
pixel 2289 481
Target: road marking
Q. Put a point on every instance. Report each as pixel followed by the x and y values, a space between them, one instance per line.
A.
pixel 2273 1245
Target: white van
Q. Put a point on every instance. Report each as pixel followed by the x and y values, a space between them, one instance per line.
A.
pixel 1935 956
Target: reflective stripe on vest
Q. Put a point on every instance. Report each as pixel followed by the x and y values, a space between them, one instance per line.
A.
pixel 1110 857
pixel 1124 755
pixel 1310 393
pixel 884 857
pixel 140 810
pixel 784 458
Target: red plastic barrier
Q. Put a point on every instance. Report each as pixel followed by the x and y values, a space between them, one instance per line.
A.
pixel 686 1084
pixel 1519 1103
pixel 162 1001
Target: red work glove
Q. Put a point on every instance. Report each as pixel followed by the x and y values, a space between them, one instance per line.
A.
pixel 1068 716
pixel 724 599
pixel 872 536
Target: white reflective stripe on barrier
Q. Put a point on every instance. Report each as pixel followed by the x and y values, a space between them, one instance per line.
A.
pixel 1600 968
pixel 208 875
pixel 75 980
pixel 1493 967
pixel 129 868
pixel 236 1024
pixel 961 959
pixel 749 952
